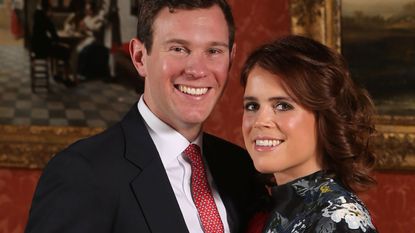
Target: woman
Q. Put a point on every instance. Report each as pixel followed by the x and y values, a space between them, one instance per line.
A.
pixel 309 125
pixel 91 58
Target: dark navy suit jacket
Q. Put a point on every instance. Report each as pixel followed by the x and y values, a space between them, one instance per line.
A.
pixel 115 182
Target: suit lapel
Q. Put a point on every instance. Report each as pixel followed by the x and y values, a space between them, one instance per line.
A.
pixel 219 169
pixel 151 187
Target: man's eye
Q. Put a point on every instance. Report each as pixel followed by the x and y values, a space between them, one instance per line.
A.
pixel 283 106
pixel 179 49
pixel 251 107
pixel 215 51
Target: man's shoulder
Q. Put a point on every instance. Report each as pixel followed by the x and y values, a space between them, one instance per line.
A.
pixel 104 147
pixel 226 153
pixel 111 137
pixel 222 144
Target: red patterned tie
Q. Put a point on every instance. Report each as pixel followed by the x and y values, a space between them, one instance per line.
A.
pixel 202 195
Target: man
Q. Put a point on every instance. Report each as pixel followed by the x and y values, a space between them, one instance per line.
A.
pixel 45 41
pixel 138 176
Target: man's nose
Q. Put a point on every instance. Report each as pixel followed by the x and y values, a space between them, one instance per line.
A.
pixel 196 65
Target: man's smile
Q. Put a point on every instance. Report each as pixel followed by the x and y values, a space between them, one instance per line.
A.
pixel 195 91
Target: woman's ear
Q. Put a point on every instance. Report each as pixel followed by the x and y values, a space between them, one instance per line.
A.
pixel 137 53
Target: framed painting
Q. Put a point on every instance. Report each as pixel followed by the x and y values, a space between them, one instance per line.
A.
pixel 377 40
pixel 35 125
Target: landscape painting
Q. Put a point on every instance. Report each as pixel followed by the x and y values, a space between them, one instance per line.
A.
pixel 378 41
pixel 377 37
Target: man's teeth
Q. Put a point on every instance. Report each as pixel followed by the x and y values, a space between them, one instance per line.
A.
pixel 268 142
pixel 193 91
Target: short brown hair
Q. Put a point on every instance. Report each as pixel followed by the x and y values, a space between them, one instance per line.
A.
pixel 149 9
pixel 318 79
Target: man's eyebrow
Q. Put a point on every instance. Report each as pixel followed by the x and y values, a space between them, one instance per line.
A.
pixel 176 41
pixel 222 44
pixel 185 42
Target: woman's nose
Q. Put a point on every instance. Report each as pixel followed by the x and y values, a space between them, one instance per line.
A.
pixel 265 118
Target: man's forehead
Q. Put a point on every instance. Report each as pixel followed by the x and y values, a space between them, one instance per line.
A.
pixel 195 24
pixel 197 13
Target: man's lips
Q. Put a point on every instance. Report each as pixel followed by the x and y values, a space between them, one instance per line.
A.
pixel 195 91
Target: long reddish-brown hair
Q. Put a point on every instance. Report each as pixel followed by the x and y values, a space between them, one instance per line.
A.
pixel 318 79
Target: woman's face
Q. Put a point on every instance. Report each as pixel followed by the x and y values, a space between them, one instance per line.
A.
pixel 88 9
pixel 280 135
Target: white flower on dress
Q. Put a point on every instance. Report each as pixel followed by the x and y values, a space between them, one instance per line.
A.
pixel 299 227
pixel 353 214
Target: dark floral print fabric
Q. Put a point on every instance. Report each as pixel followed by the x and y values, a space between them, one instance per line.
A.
pixel 317 203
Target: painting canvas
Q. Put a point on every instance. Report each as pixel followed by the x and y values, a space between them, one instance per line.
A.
pixel 36 123
pixel 378 41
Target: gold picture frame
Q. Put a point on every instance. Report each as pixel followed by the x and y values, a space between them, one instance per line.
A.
pixel 33 146
pixel 395 139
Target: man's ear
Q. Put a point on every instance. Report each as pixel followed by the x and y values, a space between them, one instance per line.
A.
pixel 137 53
pixel 232 55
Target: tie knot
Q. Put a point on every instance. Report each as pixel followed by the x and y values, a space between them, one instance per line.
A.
pixel 193 153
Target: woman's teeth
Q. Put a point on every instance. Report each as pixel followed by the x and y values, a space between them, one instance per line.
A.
pixel 192 90
pixel 268 142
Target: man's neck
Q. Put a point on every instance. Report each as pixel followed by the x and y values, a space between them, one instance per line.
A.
pixel 190 134
pixel 189 131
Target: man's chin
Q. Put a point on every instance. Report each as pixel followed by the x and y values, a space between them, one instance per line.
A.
pixel 195 119
pixel 195 114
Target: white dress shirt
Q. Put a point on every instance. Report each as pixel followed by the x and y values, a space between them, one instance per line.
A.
pixel 170 145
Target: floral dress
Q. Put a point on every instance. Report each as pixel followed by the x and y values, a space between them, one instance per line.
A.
pixel 317 203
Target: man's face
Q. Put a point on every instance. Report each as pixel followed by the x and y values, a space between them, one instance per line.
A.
pixel 187 69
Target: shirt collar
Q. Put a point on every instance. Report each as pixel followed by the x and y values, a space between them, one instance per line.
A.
pixel 168 141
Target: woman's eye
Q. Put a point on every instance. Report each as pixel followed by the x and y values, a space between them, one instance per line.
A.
pixel 283 106
pixel 251 106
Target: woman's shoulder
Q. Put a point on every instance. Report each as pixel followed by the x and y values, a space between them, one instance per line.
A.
pixel 341 210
